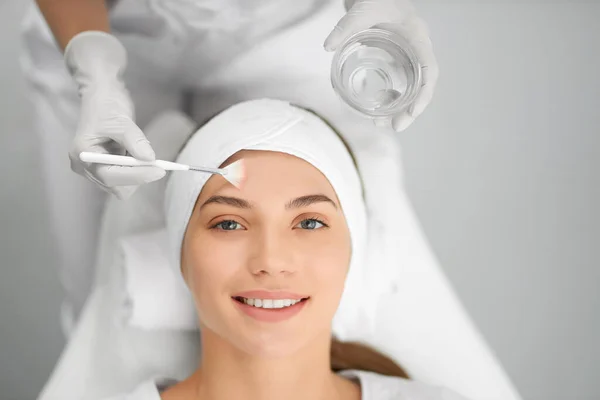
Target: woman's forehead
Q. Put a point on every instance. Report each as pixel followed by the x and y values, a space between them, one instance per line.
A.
pixel 271 174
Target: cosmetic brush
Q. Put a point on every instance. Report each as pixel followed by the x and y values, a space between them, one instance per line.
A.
pixel 234 173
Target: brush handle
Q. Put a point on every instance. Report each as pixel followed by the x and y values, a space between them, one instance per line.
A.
pixel 113 159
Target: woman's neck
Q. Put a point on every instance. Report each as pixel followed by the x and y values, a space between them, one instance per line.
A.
pixel 228 373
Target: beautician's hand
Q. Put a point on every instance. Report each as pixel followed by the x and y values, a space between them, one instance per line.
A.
pixel 97 60
pixel 364 14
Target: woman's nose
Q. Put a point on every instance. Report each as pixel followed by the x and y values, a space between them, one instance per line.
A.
pixel 272 254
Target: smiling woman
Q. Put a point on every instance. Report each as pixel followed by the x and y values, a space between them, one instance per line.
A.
pixel 279 249
pixel 267 263
pixel 279 237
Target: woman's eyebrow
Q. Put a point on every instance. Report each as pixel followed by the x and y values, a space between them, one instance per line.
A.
pixel 227 200
pixel 299 202
pixel 304 201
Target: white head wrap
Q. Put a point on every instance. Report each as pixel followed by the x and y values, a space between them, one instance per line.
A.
pixel 276 125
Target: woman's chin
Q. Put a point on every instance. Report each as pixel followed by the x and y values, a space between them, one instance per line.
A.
pixel 271 346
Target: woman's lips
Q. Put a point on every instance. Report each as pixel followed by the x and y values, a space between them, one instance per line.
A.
pixel 270 314
pixel 270 294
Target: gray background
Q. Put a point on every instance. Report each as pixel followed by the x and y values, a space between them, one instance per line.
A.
pixel 503 170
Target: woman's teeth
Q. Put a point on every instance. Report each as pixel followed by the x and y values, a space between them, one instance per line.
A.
pixel 270 303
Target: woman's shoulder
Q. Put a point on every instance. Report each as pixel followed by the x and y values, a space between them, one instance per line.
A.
pixel 382 387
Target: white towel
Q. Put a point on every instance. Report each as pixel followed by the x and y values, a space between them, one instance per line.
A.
pixel 155 300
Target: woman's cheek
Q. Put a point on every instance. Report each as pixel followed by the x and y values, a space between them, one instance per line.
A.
pixel 216 258
pixel 328 259
pixel 328 243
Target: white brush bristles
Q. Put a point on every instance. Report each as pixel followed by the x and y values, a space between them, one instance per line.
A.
pixel 235 173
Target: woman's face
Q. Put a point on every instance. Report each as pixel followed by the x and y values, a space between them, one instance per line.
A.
pixel 283 231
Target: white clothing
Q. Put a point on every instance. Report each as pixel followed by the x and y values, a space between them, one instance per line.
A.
pixel 373 387
pixel 171 44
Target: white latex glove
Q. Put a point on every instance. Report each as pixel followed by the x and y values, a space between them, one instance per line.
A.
pixel 97 60
pixel 401 17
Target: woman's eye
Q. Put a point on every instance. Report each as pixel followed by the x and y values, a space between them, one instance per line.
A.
pixel 311 224
pixel 228 225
